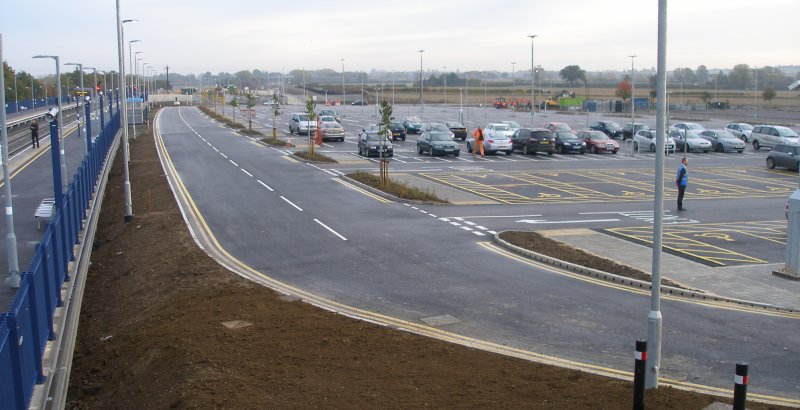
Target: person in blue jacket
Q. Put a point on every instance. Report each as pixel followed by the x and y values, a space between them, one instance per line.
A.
pixel 681 180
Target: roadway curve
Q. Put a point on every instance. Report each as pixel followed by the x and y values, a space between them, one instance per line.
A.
pixel 306 232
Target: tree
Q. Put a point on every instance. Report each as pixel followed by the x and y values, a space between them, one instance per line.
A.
pixel 235 104
pixel 768 94
pixel 251 102
pixel 624 89
pixel 276 111
pixel 573 73
pixel 385 109
pixel 684 75
pixel 311 106
pixel 741 77
pixel 706 96
pixel 701 74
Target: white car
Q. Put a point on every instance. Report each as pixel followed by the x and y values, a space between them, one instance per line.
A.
pixel 691 126
pixel 300 124
pixel 740 130
pixel 498 130
pixel 646 139
pixel 769 135
pixel 327 118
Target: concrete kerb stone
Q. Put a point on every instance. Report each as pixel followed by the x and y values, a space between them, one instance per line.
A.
pixel 633 283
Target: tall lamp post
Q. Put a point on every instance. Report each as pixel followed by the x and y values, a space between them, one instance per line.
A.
pixel 16 94
pixel 124 117
pixel 392 87
pixel 421 93
pixel 445 88
pixel 633 99
pixel 60 122
pixel 130 62
pixel 80 101
pixel 533 85
pixel 513 87
pixel 344 93
pixel 13 279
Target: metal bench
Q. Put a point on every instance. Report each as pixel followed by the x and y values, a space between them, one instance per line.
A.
pixel 45 211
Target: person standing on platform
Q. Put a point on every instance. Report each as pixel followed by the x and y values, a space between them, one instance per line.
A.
pixel 682 180
pixel 34 134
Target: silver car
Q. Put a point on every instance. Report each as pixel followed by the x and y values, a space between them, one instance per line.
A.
pixel 689 141
pixel 740 130
pixel 722 141
pixel 646 139
pixel 769 135
pixel 498 130
pixel 436 127
pixel 492 145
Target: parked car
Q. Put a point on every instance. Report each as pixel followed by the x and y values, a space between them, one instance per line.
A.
pixel 741 130
pixel 493 144
pixel 567 141
pixel 359 102
pixel 300 124
pixel 598 141
pixel 497 130
pixel 785 155
pixel 331 113
pixel 412 124
pixel 556 126
pixel 531 141
pixel 688 141
pixel 437 143
pixel 512 124
pixel 690 126
pixel 722 141
pixel 647 140
pixel 629 129
pixel 436 126
pixel 332 131
pixel 327 118
pixel 610 128
pixel 769 135
pixel 458 129
pixel 372 143
pixel 398 131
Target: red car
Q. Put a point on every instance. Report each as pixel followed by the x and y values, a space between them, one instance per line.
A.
pixel 556 126
pixel 598 141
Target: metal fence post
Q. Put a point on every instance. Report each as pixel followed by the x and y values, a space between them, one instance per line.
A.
pixel 639 373
pixel 740 386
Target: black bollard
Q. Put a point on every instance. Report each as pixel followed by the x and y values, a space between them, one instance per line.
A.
pixel 740 386
pixel 639 370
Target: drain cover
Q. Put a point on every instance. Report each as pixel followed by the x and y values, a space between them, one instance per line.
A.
pixel 442 320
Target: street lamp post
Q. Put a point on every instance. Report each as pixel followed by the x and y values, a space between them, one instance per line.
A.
pixel 344 93
pixel 533 84
pixel 513 87
pixel 130 62
pixel 755 94
pixel 392 87
pixel 62 159
pixel 124 117
pixel 421 93
pixel 79 112
pixel 13 279
pixel 445 88
pixel 633 99
pixel 16 94
pixel 33 97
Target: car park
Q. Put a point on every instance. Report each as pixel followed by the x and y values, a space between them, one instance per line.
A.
pixel 398 131
pixel 497 130
pixel 610 128
pixel 299 123
pixel 740 130
pixel 492 144
pixel 784 155
pixel 331 113
pixel 531 141
pixel 437 143
pixel 436 126
pixel 567 142
pixel 628 129
pixel 332 131
pixel 598 141
pixel 373 144
pixel 412 125
pixel 690 126
pixel 722 141
pixel 769 135
pixel 689 141
pixel 458 129
pixel 646 139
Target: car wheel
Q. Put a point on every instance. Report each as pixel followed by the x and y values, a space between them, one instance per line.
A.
pixel 463 138
pixel 614 152
pixel 741 151
pixel 430 151
pixel 456 154
pixel 419 149
pixel 635 146
pixel 705 151
pixel 756 145
pixel 719 148
pixel 594 149
pixel 652 147
pixel 524 150
pixel 550 153
pixel 469 147
pixel 770 163
pixel 402 138
pixel 508 153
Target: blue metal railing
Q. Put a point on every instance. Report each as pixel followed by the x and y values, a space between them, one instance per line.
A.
pixel 28 325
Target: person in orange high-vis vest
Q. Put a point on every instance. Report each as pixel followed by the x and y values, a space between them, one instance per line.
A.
pixel 478 136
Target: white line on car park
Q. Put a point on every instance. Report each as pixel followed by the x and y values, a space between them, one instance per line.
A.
pixel 266 186
pixel 248 174
pixel 329 229
pixel 291 203
pixel 234 164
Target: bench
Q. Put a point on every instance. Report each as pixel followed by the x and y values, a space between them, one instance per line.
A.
pixel 45 211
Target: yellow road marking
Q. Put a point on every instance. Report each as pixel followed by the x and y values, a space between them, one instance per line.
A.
pixel 363 191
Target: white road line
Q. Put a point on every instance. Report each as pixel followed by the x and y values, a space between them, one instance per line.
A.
pixel 444 219
pixel 223 155
pixel 215 149
pixel 423 211
pixel 466 228
pixel 234 164
pixel 291 203
pixel 329 229
pixel 470 223
pixel 248 174
pixel 266 186
pixel 493 232
pixel 455 224
pixel 433 215
pixel 209 144
pixel 479 233
pixel 483 228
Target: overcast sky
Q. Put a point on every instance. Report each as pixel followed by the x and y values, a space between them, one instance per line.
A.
pixel 195 36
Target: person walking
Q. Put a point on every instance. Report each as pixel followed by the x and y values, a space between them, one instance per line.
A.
pixel 34 134
pixel 681 180
pixel 477 135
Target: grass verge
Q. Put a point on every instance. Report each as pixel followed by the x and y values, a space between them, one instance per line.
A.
pixel 398 189
pixel 317 157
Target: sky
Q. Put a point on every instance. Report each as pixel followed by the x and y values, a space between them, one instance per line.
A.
pixel 195 36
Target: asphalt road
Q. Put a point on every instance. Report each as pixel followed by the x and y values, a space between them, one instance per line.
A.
pixel 298 224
